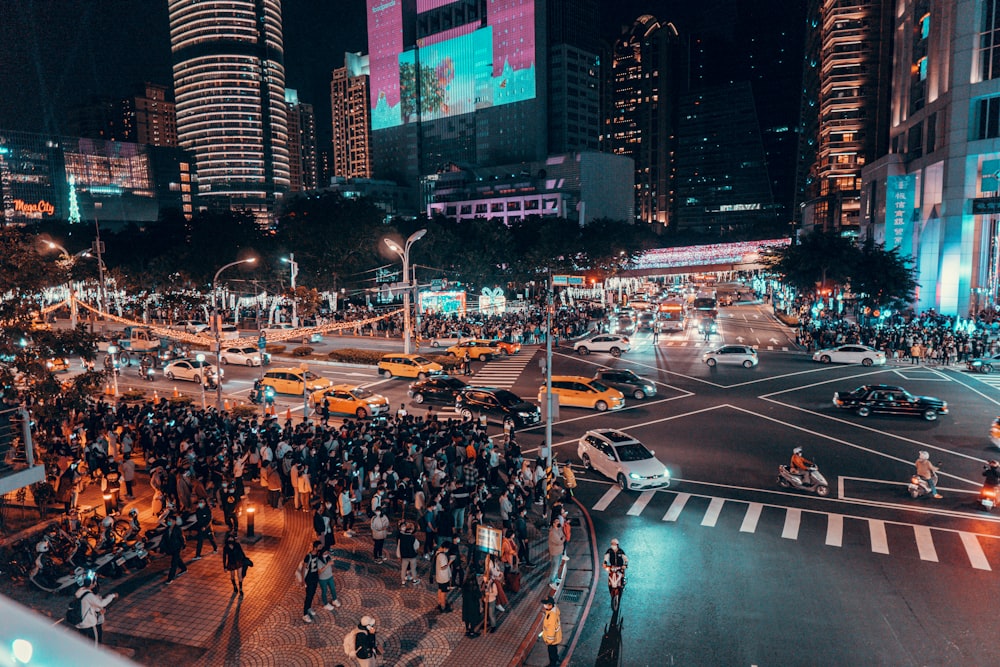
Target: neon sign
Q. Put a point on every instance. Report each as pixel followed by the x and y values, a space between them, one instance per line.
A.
pixel 40 207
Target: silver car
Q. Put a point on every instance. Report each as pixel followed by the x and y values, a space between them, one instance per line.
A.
pixel 742 355
pixel 621 457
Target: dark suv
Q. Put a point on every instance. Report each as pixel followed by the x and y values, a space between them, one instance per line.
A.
pixel 498 405
pixel 889 399
pixel 627 382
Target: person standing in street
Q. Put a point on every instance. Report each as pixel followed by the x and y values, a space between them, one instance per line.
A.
pixel 229 501
pixel 203 522
pixel 442 576
pixel 407 546
pixel 233 561
pixel 366 643
pixel 556 541
pixel 91 608
pixel 380 531
pixel 326 583
pixel 551 629
pixel 174 542
pixel 308 575
pixel 128 476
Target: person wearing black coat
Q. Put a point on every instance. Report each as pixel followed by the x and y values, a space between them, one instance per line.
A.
pixel 472 609
pixel 173 544
pixel 234 561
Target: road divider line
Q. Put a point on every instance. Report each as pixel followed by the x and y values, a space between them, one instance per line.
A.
pixel 676 507
pixel 975 551
pixel 834 530
pixel 925 543
pixel 880 542
pixel 751 518
pixel 793 517
pixel 640 503
pixel 606 499
pixel 712 513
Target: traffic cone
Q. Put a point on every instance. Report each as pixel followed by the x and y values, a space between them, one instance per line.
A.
pixel 225 405
pixel 270 410
pixel 288 414
pixel 156 397
pixel 176 393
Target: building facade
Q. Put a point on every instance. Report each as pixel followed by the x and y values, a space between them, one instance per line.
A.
pixel 352 157
pixel 151 117
pixel 302 164
pixel 575 76
pixel 229 87
pixel 648 72
pixel 935 197
pixel 846 84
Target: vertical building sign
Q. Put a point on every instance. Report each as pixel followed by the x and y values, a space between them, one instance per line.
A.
pixel 899 204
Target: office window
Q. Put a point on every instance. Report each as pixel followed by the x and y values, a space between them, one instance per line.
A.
pixel 987 118
pixel 989 41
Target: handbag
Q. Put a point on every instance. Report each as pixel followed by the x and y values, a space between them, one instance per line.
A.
pixel 247 562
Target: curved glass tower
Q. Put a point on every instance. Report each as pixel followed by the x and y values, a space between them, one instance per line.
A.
pixel 229 87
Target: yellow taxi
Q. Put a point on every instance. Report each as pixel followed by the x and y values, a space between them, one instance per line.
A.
pixel 500 347
pixel 477 349
pixel 348 399
pixel 57 365
pixel 995 432
pixel 407 366
pixel 582 392
pixel 295 381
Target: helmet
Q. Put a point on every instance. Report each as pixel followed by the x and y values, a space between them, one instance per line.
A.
pixel 368 621
pixel 43 546
pixel 84 577
pixel 107 522
pixel 133 512
pixel 797 450
pixel 924 455
pixel 614 542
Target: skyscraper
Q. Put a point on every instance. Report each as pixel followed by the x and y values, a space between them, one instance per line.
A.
pixel 301 143
pixel 935 197
pixel 648 73
pixel 351 118
pixel 574 61
pixel 229 85
pixel 151 116
pixel 846 91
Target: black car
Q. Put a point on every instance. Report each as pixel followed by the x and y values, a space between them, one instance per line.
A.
pixel 984 364
pixel 498 405
pixel 438 388
pixel 891 400
pixel 627 382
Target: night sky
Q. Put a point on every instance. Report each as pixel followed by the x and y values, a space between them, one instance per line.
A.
pixel 55 54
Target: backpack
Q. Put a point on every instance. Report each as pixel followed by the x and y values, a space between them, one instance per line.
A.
pixel 74 612
pixel 351 642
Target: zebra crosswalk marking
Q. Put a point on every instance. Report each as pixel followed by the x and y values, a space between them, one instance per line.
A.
pixel 925 543
pixel 712 514
pixel 880 542
pixel 975 551
pixel 835 530
pixel 606 499
pixel 676 507
pixel 640 504
pixel 751 518
pixel 793 518
pixel 502 372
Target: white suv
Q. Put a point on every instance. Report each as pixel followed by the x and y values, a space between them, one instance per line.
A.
pixel 612 343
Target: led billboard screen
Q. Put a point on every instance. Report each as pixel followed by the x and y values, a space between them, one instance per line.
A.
pixel 465 71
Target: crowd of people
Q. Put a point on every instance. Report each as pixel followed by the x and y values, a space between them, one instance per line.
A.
pixel 427 483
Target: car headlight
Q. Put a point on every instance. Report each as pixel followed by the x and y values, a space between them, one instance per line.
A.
pixel 634 475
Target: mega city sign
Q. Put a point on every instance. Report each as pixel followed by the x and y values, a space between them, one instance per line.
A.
pixel 40 207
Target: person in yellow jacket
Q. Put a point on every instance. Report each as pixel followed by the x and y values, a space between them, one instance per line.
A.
pixel 569 477
pixel 551 630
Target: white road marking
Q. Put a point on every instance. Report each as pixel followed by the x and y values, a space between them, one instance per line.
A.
pixel 975 551
pixel 835 530
pixel 925 543
pixel 792 519
pixel 676 507
pixel 640 503
pixel 606 499
pixel 880 542
pixel 751 518
pixel 712 513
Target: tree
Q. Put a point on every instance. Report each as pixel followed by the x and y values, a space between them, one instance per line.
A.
pixel 882 278
pixel 820 259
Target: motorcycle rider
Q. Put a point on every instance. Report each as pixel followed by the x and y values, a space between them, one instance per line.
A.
pixel 134 529
pixel 800 466
pixel 991 473
pixel 614 556
pixel 927 471
pixel 146 368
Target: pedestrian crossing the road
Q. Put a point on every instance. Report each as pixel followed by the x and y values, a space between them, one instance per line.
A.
pixel 502 372
pixel 930 544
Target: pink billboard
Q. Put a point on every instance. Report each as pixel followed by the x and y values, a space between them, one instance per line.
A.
pixel 427 5
pixel 385 43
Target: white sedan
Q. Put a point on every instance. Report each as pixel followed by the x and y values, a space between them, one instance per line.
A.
pixel 242 356
pixel 850 354
pixel 192 326
pixel 448 339
pixel 612 343
pixel 191 370
pixel 743 355
pixel 619 456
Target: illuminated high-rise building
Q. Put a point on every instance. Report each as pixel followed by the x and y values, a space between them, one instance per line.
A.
pixel 575 76
pixel 351 118
pixel 846 104
pixel 229 89
pixel 301 143
pixel 455 82
pixel 151 117
pixel 648 72
pixel 935 197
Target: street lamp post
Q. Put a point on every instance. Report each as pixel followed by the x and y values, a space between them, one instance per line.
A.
pixel 216 326
pixel 293 267
pixel 113 352
pixel 404 253
pixel 200 358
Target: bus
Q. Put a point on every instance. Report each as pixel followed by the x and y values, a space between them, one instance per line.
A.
pixel 705 301
pixel 671 315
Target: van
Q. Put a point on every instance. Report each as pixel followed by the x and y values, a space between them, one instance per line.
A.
pixel 582 392
pixel 407 366
pixel 290 381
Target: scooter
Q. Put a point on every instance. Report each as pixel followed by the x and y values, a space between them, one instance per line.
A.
pixel 817 483
pixel 989 496
pixel 47 577
pixel 616 584
pixel 147 373
pixel 919 487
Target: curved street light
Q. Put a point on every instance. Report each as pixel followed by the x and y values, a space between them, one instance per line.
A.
pixel 217 327
pixel 404 254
